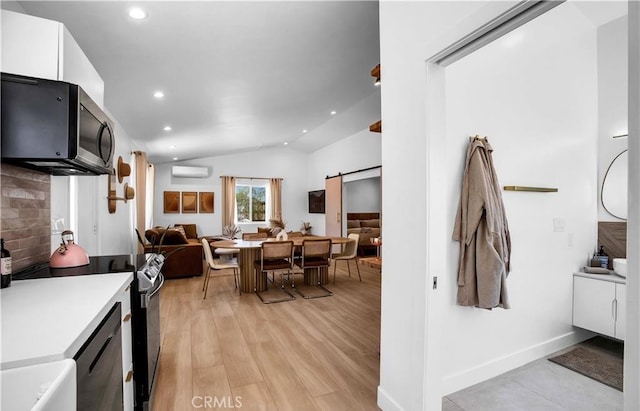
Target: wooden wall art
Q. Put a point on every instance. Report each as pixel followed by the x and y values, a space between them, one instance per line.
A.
pixel 189 202
pixel 206 202
pixel 171 202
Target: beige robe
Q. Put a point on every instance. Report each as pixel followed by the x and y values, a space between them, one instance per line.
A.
pixel 482 229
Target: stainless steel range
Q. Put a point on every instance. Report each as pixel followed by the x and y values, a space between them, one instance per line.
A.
pixel 146 329
pixel 145 309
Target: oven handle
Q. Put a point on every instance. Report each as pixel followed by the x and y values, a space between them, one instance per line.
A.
pixel 159 286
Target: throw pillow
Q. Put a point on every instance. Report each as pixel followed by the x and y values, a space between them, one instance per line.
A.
pixel 173 237
pixel 180 229
pixel 370 223
pixel 265 230
pixel 190 230
pixel 152 235
pixel 353 223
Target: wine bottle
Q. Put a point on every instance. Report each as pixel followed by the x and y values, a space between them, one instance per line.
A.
pixel 5 265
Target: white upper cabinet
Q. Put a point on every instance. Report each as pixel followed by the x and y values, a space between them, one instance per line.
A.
pixel 29 45
pixel 74 67
pixel 36 47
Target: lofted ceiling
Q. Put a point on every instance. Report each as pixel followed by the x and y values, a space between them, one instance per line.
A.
pixel 236 76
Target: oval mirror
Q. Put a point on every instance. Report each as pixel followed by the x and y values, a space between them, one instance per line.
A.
pixel 614 187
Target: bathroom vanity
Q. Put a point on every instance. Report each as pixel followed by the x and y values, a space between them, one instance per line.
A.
pixel 600 303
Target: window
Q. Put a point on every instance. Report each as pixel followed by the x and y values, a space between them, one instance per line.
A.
pixel 251 203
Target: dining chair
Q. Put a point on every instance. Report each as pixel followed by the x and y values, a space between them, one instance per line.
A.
pixel 254 236
pixel 217 264
pixel 275 257
pixel 297 250
pixel 349 253
pixel 316 254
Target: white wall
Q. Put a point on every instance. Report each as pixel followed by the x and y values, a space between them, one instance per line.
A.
pixel 612 98
pixel 410 32
pixel 359 151
pixel 414 154
pixel 632 341
pixel 362 196
pixel 302 173
pixel 99 232
pixel 285 163
pixel 534 94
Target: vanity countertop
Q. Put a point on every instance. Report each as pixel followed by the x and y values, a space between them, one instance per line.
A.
pixel 612 277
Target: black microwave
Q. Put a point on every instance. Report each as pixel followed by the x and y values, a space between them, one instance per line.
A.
pixel 53 127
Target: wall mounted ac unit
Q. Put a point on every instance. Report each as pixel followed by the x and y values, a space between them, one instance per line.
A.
pixel 189 172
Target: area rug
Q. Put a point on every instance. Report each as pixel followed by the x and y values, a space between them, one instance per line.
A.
pixel 598 358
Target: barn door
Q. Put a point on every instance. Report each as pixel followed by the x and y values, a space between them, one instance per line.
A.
pixel 333 208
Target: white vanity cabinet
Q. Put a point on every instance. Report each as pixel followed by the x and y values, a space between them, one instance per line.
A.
pixel 599 304
pixel 37 47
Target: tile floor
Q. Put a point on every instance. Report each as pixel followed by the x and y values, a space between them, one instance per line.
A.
pixel 538 386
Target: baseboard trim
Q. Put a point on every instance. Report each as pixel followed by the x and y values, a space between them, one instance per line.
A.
pixel 493 368
pixel 386 403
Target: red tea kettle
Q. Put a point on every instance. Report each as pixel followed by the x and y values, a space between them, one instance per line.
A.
pixel 68 254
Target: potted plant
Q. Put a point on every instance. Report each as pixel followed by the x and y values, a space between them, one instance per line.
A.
pixel 305 229
pixel 231 231
pixel 276 225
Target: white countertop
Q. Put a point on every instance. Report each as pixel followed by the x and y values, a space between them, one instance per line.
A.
pixel 49 319
pixel 611 277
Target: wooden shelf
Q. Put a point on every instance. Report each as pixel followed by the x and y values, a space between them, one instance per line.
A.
pixel 377 126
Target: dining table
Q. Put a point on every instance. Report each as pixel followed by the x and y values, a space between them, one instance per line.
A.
pixel 249 252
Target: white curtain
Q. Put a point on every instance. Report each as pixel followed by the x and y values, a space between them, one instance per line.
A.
pixel 145 182
pixel 150 192
pixel 275 187
pixel 228 200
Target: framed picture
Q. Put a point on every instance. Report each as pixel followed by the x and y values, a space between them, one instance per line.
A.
pixel 206 202
pixel 171 202
pixel 189 202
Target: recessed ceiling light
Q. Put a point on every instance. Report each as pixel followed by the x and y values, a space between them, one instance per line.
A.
pixel 158 94
pixel 137 13
pixel 333 112
pixel 175 158
pixel 305 130
pixel 286 143
pixel 172 146
pixel 167 128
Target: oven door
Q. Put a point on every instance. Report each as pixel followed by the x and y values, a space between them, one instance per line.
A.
pixel 153 332
pixel 147 342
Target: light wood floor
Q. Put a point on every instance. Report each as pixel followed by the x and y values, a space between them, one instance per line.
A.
pixel 318 354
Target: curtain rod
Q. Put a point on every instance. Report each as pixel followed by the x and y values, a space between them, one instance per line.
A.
pixel 253 178
pixel 353 172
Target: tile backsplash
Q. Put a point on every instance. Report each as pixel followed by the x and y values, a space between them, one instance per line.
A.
pixel 25 215
pixel 613 237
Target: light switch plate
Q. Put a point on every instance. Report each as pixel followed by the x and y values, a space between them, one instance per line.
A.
pixel 558 225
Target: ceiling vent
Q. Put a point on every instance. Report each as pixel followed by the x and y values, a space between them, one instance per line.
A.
pixel 189 172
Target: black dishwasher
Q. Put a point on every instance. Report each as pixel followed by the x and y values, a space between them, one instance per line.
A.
pixel 99 366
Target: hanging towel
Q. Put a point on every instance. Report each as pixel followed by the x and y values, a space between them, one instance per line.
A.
pixel 482 230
